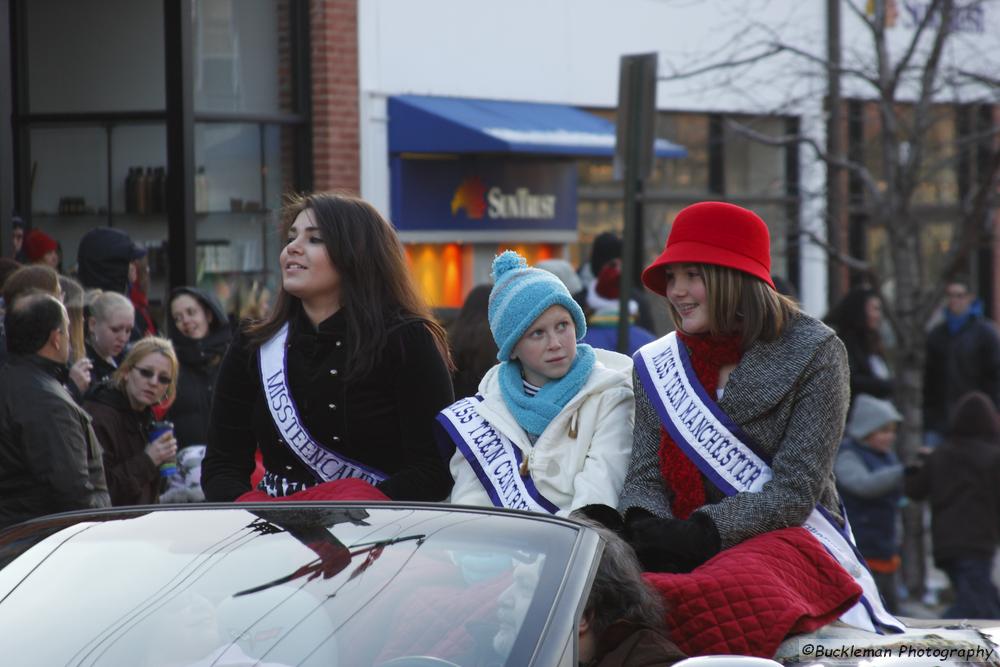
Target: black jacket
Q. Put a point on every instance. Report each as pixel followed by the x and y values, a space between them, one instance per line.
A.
pixel 961 478
pixel 968 360
pixel 863 378
pixel 383 420
pixel 101 369
pixel 199 361
pixel 133 478
pixel 50 459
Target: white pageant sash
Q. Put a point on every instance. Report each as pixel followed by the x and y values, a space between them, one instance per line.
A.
pixel 724 454
pixel 325 464
pixel 493 457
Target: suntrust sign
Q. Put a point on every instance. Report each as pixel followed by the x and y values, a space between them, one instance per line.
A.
pixel 473 196
pixel 484 194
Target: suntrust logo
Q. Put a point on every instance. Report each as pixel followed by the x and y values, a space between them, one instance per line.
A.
pixel 470 195
pixel 473 196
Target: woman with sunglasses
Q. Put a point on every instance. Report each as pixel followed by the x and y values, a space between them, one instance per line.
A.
pixel 122 412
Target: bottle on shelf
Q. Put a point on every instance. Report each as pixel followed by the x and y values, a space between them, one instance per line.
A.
pixel 141 192
pixel 150 184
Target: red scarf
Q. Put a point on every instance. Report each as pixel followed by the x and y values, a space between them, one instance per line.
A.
pixel 708 355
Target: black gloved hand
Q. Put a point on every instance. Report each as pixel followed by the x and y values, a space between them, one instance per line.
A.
pixel 673 545
pixel 602 514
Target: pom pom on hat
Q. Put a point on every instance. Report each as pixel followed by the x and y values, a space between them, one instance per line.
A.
pixel 506 262
pixel 520 294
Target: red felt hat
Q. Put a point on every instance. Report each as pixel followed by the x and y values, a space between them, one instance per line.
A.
pixel 37 244
pixel 714 232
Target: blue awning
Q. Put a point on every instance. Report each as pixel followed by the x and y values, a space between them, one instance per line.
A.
pixel 424 124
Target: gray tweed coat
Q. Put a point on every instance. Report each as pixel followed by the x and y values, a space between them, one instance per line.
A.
pixel 791 396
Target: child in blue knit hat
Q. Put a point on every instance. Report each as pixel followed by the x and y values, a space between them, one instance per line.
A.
pixel 551 427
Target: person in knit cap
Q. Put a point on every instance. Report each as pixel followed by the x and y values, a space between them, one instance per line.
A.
pixel 40 248
pixel 550 429
pixel 739 412
pixel 870 481
pixel 107 259
pixel 602 325
pixel 960 478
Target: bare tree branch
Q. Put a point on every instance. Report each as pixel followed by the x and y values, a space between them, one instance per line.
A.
pixel 795 139
pixel 925 20
pixel 770 52
pixel 850 262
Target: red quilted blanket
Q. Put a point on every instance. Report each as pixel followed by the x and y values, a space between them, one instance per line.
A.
pixel 344 489
pixel 749 597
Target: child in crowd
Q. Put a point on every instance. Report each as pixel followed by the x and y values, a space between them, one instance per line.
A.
pixel 550 430
pixel 870 481
pixel 960 478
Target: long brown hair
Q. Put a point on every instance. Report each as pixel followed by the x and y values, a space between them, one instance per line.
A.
pixel 741 303
pixel 73 300
pixel 377 290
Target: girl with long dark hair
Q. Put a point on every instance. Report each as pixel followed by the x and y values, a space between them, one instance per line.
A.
pixel 343 379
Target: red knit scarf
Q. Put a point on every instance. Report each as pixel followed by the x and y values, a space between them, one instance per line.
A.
pixel 708 355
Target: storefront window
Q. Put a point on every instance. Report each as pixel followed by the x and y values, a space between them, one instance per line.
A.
pixel 95 56
pixel 241 56
pixel 935 244
pixel 240 175
pixel 689 174
pixel 753 168
pixel 938 182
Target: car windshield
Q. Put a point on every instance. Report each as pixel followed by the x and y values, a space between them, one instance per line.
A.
pixel 279 585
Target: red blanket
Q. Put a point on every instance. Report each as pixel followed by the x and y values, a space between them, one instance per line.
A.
pixel 748 598
pixel 344 489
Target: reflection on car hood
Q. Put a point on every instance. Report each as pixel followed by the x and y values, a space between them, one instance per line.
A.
pixel 280 583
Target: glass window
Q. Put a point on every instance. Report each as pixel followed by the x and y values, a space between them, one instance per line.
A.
pixel 95 56
pixel 242 56
pixel 689 174
pixel 228 167
pixel 751 167
pixel 279 164
pixel 938 182
pixel 237 165
pixel 69 170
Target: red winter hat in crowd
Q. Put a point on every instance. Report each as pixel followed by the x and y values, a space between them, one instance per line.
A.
pixel 37 244
pixel 609 280
pixel 714 232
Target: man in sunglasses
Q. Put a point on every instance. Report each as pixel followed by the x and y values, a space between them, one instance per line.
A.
pixel 963 355
pixel 50 459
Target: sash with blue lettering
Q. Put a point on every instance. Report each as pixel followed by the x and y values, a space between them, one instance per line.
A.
pixel 326 464
pixel 493 457
pixel 727 457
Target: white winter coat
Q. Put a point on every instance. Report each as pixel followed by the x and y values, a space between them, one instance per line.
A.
pixel 569 471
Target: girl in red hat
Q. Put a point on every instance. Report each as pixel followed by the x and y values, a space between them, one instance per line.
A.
pixel 739 412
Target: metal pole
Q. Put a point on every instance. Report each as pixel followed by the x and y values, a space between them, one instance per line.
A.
pixel 629 204
pixel 834 147
pixel 6 136
pixel 178 50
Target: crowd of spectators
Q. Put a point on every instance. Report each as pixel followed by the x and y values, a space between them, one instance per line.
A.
pixel 84 378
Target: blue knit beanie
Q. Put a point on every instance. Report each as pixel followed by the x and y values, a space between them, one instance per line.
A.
pixel 520 294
